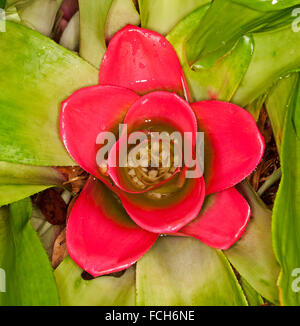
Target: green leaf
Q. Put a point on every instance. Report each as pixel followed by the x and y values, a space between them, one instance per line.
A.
pixel 102 291
pixel 223 79
pixel 100 20
pixel 29 277
pixel 18 3
pixel 39 15
pixel 38 75
pixel 93 15
pixel 254 108
pixel 252 256
pixel 16 174
pixel 253 298
pixel 276 53
pixel 11 14
pixel 222 26
pixel 12 193
pixel 270 181
pixel 267 5
pixel 220 81
pixel 18 181
pixel 286 213
pixel 183 271
pixel 21 4
pixel 71 36
pixel 277 105
pixel 121 13
pixel 162 15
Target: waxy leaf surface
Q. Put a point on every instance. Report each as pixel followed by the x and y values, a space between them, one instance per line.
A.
pixel 36 75
pixel 29 282
pixel 180 271
pixel 103 291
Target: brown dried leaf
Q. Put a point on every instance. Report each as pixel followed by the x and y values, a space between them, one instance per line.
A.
pixel 60 251
pixel 52 206
pixel 76 178
pixel 270 162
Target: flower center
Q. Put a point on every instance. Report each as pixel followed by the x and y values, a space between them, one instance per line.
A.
pixel 151 162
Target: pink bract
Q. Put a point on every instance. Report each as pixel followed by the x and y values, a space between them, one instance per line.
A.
pixel 111 226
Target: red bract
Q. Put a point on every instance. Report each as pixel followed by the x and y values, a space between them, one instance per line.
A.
pixel 143 86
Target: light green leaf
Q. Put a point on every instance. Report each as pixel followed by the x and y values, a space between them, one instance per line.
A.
pixel 100 20
pixel 11 14
pixel 28 281
pixel 253 298
pixel 93 15
pixel 277 104
pixel 267 5
pixel 36 75
pixel 18 3
pixel 162 15
pixel 252 256
pixel 16 174
pixel 221 80
pixel 286 213
pixel 39 15
pixel 121 13
pixel 71 35
pixel 222 26
pixel 254 108
pixel 270 181
pixel 180 271
pixel 18 181
pixel 276 53
pixel 102 291
pixel 12 193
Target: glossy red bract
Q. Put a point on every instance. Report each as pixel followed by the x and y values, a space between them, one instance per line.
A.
pixel 111 226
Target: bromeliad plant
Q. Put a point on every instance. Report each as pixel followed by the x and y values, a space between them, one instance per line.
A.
pixel 229 55
pixel 141 86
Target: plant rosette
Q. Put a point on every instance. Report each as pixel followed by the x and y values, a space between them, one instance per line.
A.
pixel 122 210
